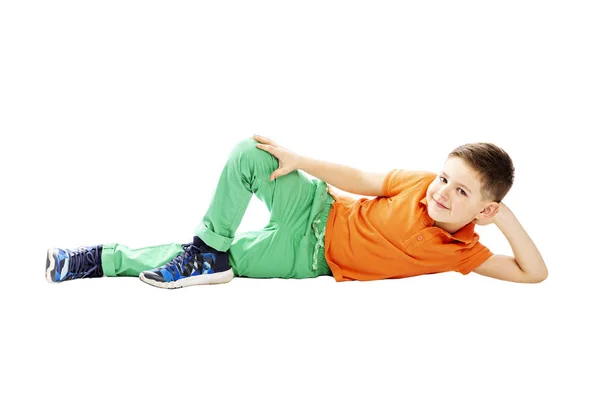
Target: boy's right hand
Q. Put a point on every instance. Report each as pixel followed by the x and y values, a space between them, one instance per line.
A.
pixel 288 160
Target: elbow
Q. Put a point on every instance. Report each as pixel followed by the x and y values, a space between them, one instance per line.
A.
pixel 539 278
pixel 544 274
pixel 535 275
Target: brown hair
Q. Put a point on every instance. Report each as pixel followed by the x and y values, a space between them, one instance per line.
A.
pixel 493 165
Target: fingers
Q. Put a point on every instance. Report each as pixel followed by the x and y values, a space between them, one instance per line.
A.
pixel 278 172
pixel 264 140
pixel 266 147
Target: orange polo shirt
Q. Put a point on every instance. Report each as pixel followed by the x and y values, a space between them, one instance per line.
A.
pixel 393 236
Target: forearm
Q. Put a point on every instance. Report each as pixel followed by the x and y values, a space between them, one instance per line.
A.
pixel 341 176
pixel 525 251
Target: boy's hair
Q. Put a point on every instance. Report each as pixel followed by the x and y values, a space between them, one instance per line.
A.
pixel 493 164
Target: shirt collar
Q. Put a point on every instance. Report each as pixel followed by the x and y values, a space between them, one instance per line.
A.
pixel 464 234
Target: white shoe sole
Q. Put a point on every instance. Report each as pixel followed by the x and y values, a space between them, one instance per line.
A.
pixel 206 279
pixel 50 265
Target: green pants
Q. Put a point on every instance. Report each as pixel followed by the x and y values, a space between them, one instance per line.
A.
pixel 289 246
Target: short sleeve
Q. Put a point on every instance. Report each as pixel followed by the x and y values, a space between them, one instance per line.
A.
pixel 390 183
pixel 399 180
pixel 472 258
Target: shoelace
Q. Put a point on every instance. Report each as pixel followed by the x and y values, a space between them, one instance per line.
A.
pixel 82 259
pixel 176 264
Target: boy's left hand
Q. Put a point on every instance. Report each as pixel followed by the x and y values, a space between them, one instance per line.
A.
pixel 287 159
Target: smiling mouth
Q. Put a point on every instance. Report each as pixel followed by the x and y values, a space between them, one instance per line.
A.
pixel 440 204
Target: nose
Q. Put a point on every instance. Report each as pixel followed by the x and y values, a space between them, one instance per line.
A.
pixel 443 195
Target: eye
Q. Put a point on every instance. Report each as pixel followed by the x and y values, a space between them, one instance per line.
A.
pixel 462 191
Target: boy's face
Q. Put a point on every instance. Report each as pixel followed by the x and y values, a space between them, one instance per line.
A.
pixel 458 189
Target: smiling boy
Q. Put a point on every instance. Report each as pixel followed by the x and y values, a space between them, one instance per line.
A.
pixel 423 223
pixel 417 223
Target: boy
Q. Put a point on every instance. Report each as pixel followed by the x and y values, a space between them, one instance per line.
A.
pixel 418 223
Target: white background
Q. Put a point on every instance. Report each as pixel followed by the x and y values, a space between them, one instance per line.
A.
pixel 116 118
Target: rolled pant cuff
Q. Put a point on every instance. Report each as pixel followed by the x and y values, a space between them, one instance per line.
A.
pixel 212 239
pixel 108 259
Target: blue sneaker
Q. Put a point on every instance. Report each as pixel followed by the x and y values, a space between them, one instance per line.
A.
pixel 66 264
pixel 199 264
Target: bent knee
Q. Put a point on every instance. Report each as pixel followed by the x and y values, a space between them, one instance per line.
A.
pixel 246 150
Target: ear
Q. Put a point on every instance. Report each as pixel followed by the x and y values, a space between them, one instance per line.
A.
pixel 486 215
pixel 490 210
